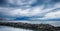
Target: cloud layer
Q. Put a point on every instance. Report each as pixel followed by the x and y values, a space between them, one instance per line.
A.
pixel 32 9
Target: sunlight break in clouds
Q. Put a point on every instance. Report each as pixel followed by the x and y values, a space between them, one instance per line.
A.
pixel 28 12
pixel 53 15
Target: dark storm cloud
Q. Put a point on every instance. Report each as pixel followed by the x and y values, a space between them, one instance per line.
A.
pixel 3 2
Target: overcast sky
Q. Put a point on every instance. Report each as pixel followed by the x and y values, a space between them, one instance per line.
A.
pixel 30 9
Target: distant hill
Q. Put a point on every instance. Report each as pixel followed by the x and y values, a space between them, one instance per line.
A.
pixel 2 19
pixel 44 27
